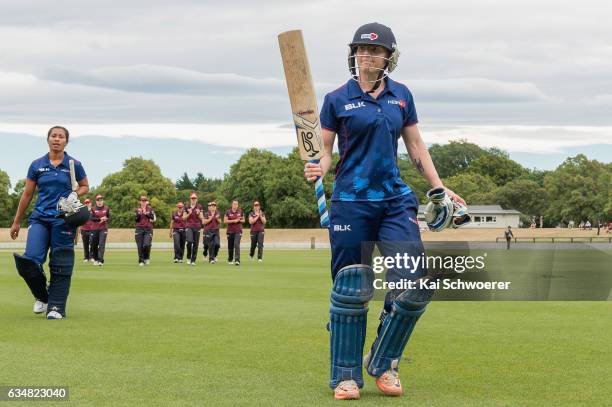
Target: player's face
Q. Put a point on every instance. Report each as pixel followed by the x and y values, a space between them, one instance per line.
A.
pixel 234 205
pixel 57 140
pixel 371 58
pixel 99 201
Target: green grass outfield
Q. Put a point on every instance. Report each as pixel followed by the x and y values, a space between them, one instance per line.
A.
pixel 173 335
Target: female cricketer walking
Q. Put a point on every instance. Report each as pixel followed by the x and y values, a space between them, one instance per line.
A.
pixel 257 219
pixel 234 218
pixel 193 224
pixel 212 242
pixel 100 215
pixel 371 203
pixel 86 231
pixel 145 216
pixel 177 232
pixel 52 225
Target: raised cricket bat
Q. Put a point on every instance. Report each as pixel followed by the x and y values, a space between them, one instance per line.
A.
pixel 304 107
pixel 73 181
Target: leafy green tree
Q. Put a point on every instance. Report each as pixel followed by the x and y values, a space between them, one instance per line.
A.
pixel 7 208
pixel 579 189
pixel 524 195
pixel 290 198
pixel 122 189
pixel 475 188
pixel 498 167
pixel 16 196
pixel 185 183
pixel 536 176
pixel 247 178
pixel 455 157
pixel 206 188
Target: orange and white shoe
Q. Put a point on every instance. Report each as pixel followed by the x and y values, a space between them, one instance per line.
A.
pixel 346 390
pixel 389 383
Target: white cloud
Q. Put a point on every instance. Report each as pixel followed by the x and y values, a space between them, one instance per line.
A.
pixel 533 139
pixel 218 62
pixel 476 90
pixel 166 79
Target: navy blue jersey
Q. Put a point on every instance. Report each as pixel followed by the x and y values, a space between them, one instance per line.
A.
pixel 368 131
pixel 52 182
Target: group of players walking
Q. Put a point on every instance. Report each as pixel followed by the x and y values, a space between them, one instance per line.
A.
pixel 186 224
pixel 95 230
pixel 189 220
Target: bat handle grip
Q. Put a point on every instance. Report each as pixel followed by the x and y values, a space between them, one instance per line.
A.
pixel 321 203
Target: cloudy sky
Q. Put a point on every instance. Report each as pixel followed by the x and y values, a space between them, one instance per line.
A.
pixel 528 78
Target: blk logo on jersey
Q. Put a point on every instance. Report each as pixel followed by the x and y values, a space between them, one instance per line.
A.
pixel 369 36
pixel 342 228
pixel 351 106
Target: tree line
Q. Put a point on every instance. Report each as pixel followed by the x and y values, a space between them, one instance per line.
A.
pixel 578 189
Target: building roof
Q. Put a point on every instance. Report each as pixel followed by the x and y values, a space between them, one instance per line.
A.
pixel 483 210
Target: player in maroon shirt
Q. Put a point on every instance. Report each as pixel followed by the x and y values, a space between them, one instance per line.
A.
pixel 177 232
pixel 212 242
pixel 257 219
pixel 100 214
pixel 86 235
pixel 145 216
pixel 193 223
pixel 234 218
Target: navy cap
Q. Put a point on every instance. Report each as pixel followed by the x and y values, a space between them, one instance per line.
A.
pixel 374 34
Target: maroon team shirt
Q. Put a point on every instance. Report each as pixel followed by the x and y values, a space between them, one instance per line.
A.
pixel 89 224
pixel 258 226
pixel 143 220
pixel 193 220
pixel 231 215
pixel 98 212
pixel 214 223
pixel 177 220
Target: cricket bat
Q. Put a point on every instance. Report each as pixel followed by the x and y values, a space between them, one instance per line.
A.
pixel 304 107
pixel 73 181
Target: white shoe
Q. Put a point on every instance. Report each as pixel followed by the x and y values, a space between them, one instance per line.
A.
pixel 347 390
pixel 180 261
pixel 141 264
pixel 260 260
pixel 213 261
pixel 95 263
pixel 147 262
pixel 175 260
pixel 188 262
pixel 54 315
pixel 100 264
pixel 237 263
pixel 230 262
pixel 39 307
pixel 193 263
pixel 85 260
